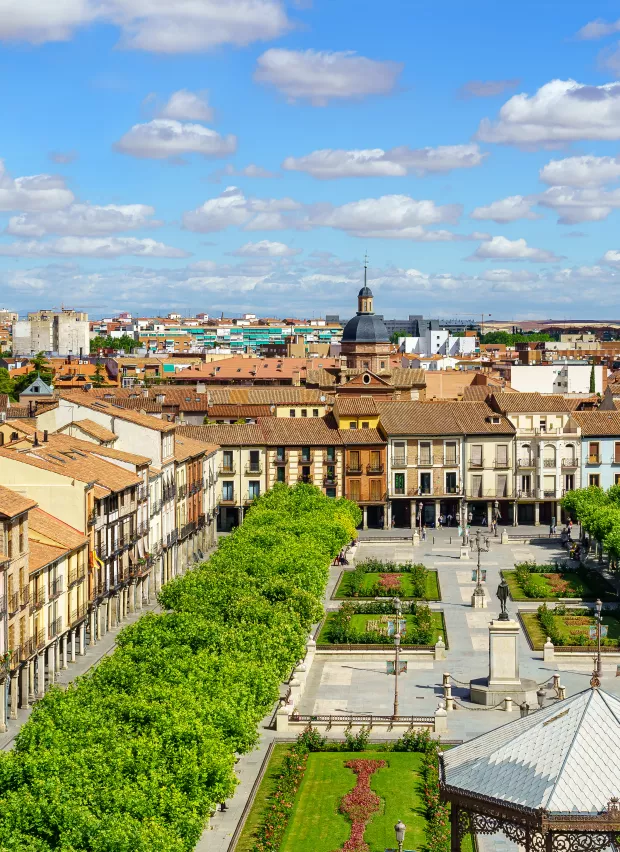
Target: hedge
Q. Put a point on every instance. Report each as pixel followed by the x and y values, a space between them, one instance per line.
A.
pixel 134 756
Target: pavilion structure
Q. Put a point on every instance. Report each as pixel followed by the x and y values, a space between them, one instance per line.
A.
pixel 550 780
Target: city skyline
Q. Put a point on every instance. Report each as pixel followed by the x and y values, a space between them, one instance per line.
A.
pixel 242 157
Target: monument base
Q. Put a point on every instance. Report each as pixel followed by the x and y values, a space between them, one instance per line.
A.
pixel 481 692
pixel 464 552
pixel 479 600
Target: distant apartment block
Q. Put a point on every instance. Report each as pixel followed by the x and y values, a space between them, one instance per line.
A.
pixel 63 332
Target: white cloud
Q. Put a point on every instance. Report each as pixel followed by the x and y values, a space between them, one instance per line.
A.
pixel 37 192
pixel 153 25
pixel 561 111
pixel 320 76
pixel 609 59
pixel 583 171
pixel 598 29
pixel 507 210
pixel 63 158
pixel 187 106
pixel 397 162
pixel 91 247
pixel 265 248
pixel 232 208
pixel 580 205
pixel 83 220
pixel 163 138
pixel 486 88
pixel 611 257
pixel 501 248
pixel 391 216
pixel 250 171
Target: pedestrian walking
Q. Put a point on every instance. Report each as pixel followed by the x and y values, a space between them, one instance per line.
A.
pixel 424 533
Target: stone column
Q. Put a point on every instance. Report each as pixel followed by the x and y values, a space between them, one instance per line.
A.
pixel 111 600
pixel 24 674
pixel 437 512
pixel 65 662
pixel 93 625
pixel 132 596
pixel 3 686
pixel 82 639
pixel 140 592
pixel 51 663
pixel 102 611
pixel 73 645
pixel 489 513
pixel 365 517
pixel 412 513
pixel 40 675
pixel 31 683
pixel 13 696
pixel 515 514
pixel 57 656
pixel 537 514
pixel 558 513
pixel 387 515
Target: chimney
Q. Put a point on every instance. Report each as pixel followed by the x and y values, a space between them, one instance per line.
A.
pixel 45 436
pixel 36 440
pixel 182 416
pixel 296 378
pixel 145 393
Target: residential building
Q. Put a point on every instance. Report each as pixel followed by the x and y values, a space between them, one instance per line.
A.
pixel 437 341
pixel 429 446
pixel 600 448
pixel 547 452
pixel 196 533
pixel 365 464
pixel 558 378
pixel 356 412
pixel 63 332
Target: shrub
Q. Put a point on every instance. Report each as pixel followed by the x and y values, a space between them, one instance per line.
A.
pixel 356 742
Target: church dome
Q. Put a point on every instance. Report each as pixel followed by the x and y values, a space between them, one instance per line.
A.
pixel 365 328
pixel 365 293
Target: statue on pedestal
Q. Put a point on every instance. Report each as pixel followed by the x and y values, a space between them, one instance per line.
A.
pixel 502 596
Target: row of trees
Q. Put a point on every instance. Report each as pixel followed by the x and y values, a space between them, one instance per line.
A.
pixel 135 755
pixel 125 342
pixel 598 512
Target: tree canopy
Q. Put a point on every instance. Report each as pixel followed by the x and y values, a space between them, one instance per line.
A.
pixel 133 756
pixel 125 342
pixel 504 337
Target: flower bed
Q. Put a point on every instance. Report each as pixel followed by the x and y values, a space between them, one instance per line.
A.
pixel 361 803
pixel 568 628
pixel 530 581
pixel 374 623
pixel 373 578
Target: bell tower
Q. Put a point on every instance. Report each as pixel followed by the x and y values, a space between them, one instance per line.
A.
pixel 364 297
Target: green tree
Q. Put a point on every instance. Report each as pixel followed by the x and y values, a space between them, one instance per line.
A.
pixel 6 384
pixel 400 332
pixel 125 342
pixel 99 375
pixel 592 380
pixel 40 363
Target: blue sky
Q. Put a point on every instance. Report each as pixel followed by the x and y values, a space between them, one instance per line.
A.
pixel 242 155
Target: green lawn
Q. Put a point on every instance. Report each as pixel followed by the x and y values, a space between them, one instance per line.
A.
pixel 265 791
pixel 577 587
pixel 359 623
pixel 316 825
pixel 431 593
pixel 569 626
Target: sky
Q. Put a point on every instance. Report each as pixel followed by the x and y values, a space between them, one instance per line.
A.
pixel 244 155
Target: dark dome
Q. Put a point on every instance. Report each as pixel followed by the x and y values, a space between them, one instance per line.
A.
pixel 365 293
pixel 365 328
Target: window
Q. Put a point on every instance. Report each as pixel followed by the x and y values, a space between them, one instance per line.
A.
pixel 543 424
pixel 254 465
pixel 375 465
pixel 10 540
pixel 354 460
pixel 304 412
pixel 617 452
pixel 425 452
pixel 228 491
pixel 593 452
pixel 280 474
pixel 331 454
pixel 569 481
pixel 253 489
pixel 330 492
pixel 399 483
pixel 365 424
pixel 501 485
pixel 353 424
pixel 315 412
pixel 501 455
pixel 22 537
pixel 305 454
pixel 305 474
pixel 280 454
pixel 354 490
pixel 375 490
pixel 476 486
pixel 594 479
pixel 291 412
pixel 399 455
pixel 450 452
pixel 383 365
pixel 476 455
pixel 616 478
pixel 330 474
pixel 366 378
pixel 451 483
pixel 549 486
pixel 425 483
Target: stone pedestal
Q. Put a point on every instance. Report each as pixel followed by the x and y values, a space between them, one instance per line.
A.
pixel 479 599
pixel 464 551
pixel 503 680
pixel 416 538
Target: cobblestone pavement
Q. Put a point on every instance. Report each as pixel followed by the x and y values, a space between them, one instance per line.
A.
pixel 364 686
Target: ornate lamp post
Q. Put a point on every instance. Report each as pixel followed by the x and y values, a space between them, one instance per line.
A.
pixel 598 606
pixel 464 523
pixel 481 544
pixel 398 608
pixel 399 828
pixel 495 513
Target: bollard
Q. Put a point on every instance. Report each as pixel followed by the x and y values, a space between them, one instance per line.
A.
pixel 561 693
pixel 548 651
pixel 446 679
pixel 441 719
pixel 556 682
pixel 508 704
pixel 447 694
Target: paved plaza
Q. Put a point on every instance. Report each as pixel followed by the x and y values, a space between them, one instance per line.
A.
pixel 363 686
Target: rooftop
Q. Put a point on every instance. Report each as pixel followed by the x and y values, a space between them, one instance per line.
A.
pixel 13 504
pixel 442 418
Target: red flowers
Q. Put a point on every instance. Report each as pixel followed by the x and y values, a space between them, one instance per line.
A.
pixel 360 804
pixel 390 582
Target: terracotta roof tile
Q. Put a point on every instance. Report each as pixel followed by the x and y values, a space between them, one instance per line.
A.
pixel 361 436
pixel 356 405
pixel 225 436
pixel 93 403
pixel 239 410
pixel 300 431
pixel 95 429
pixel 45 524
pixel 595 423
pixel 441 418
pixel 13 504
pixel 186 447
pixel 41 555
pixel 531 403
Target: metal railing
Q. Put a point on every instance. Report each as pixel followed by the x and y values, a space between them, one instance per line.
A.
pixel 79 613
pixel 355 468
pixel 399 461
pixel 181 491
pixel 201 521
pixel 330 480
pixel 172 538
pixel 253 467
pixel 280 459
pixel 425 462
pixel 3 605
pixel 549 463
pixel 570 463
pixel 76 575
pixel 37 599
pixel 306 458
pixel 594 459
pixel 187 529
pixel 40 639
pixel 475 463
pixel 501 463
pixel 142 493
pixel 230 500
pixel 55 628
pixel 55 587
pixel 526 463
pixel 228 469
pixel 306 479
pixel 13 603
pixel 92 518
pixel 155 508
pixel 102 551
pixel 374 469
pixel 25 595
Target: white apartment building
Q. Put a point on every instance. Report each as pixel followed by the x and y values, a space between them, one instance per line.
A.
pixel 560 378
pixel 437 341
pixel 62 333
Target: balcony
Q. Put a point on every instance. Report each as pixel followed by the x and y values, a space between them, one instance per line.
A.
pixel 25 596
pixel 501 464
pixel 329 481
pixel 399 461
pixel 56 587
pixel 475 463
pixel 40 639
pixel 527 493
pixel 549 463
pixel 76 575
pixel 182 491
pixel 374 469
pixel 425 461
pixel 250 498
pixel 228 499
pixel 451 461
pixel 37 599
pixel 172 538
pixel 227 469
pixel 92 518
pixel 55 628
pixel 3 605
pixel 306 479
pixel 155 508
pixel 355 469
pixel 195 487
pixel 187 529
pixel 526 463
pixel 570 463
pixel 253 468
pixel 78 614
pixel 142 529
pixel 201 521
pixel 280 459
pixel 142 493
pixel 102 551
pixel 13 603
pixel 329 459
pixel 549 494
pixel 594 459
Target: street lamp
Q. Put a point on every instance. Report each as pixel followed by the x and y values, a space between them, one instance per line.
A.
pixel 398 608
pixel 599 620
pixel 464 523
pixel 399 828
pixel 481 544
pixel 495 514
